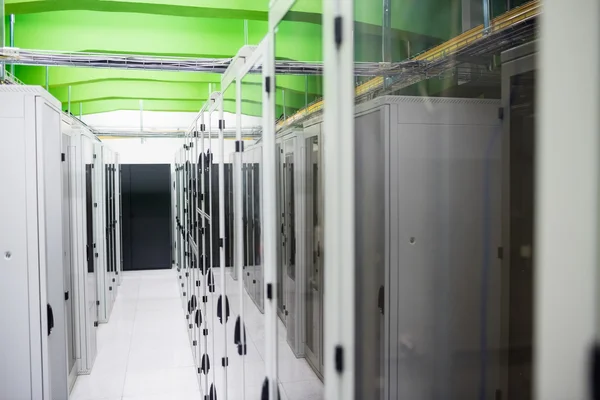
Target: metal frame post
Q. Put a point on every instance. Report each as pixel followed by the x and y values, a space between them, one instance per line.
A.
pixel 270 219
pixel 239 218
pixel 486 14
pixel 338 188
pixel 567 172
pixel 222 231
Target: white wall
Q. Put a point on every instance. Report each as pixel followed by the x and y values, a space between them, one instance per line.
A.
pixel 159 150
pixel 155 120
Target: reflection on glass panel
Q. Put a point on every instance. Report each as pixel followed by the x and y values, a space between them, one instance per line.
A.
pixel 444 209
pixel 247 364
pixel 300 279
pixel 313 297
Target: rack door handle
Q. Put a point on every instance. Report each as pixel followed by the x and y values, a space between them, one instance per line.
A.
pixel 50 319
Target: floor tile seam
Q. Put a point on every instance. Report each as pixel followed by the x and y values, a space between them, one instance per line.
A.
pixel 137 298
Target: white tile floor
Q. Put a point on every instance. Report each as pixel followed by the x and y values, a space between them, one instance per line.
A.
pixel 144 352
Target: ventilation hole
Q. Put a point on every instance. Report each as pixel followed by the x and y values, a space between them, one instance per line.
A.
pixel 220 309
pixel 213 392
pixel 192 304
pixel 205 364
pixel 211 281
pixel 265 391
pixel 238 339
pixel 198 318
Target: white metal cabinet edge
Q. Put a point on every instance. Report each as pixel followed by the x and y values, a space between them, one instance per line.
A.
pixel 99 236
pixel 24 236
pixel 84 290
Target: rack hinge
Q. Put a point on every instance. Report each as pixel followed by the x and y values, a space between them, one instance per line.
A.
pixel 239 146
pixel 338 31
pixel 268 84
pixel 269 291
pixel 62 157
pixel 339 359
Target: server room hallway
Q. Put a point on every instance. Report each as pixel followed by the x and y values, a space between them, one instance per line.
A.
pixel 143 351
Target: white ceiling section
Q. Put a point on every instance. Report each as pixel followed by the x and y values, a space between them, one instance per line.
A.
pixel 153 120
pixel 158 150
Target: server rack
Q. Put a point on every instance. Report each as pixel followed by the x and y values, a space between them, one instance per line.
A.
pixel 35 358
pixel 293 257
pixel 427 212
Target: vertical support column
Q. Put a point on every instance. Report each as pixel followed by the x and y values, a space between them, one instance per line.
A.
pixel 12 40
pixel 567 172
pixel 486 14
pixel 283 100
pixel 142 140
pixel 222 234
pixel 80 110
pixel 246 32
pixel 141 115
pixel 47 77
pixel 386 36
pixel 69 100
pixel 305 92
pixel 2 33
pixel 386 39
pixel 238 213
pixel 338 188
pixel 270 220
pixel 203 264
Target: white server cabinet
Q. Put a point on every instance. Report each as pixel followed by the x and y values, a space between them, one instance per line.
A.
pixel 99 195
pixel 81 155
pixel 33 358
pixel 428 277
pixel 70 244
pixel 291 209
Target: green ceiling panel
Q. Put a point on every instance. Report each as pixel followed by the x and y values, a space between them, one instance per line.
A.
pixel 64 76
pixel 174 91
pixel 131 33
pixel 240 9
pixel 203 28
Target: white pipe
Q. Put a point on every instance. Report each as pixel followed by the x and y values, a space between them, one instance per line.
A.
pixel 222 237
pixel 239 222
